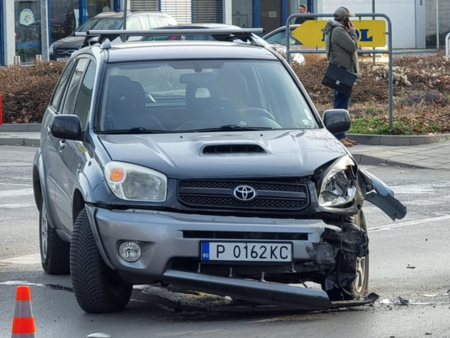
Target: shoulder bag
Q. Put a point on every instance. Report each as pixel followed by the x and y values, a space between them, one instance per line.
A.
pixel 339 78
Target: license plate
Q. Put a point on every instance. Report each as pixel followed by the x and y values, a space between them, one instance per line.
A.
pixel 62 59
pixel 246 252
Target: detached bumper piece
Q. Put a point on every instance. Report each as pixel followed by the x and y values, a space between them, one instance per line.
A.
pixel 259 291
pixel 250 290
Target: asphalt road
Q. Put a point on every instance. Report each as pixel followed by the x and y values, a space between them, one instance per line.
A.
pixel 409 259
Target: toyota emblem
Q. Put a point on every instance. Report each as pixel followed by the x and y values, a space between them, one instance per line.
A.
pixel 244 193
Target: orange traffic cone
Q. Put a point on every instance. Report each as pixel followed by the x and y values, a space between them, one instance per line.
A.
pixel 23 322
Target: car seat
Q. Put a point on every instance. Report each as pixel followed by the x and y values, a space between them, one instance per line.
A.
pixel 126 106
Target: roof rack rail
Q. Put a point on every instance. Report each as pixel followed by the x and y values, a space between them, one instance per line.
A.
pixel 244 34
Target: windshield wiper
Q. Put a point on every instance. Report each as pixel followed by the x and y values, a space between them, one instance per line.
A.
pixel 135 130
pixel 231 127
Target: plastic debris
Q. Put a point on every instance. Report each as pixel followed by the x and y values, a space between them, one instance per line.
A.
pixel 429 295
pixel 402 301
pixel 385 301
pixel 410 267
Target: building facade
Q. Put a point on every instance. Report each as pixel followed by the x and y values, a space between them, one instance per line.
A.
pixel 28 27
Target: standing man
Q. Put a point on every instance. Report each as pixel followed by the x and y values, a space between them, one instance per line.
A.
pixel 341 45
pixel 303 9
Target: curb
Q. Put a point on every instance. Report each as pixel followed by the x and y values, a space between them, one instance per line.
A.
pixel 372 160
pixel 398 140
pixel 20 127
pixel 16 141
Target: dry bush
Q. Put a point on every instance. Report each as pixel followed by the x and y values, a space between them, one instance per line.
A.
pixel 27 90
pixel 421 87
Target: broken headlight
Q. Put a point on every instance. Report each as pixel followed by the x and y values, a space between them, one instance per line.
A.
pixel 338 185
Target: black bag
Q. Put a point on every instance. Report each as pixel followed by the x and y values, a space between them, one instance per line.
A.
pixel 339 78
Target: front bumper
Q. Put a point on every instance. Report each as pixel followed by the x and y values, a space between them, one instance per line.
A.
pixel 161 236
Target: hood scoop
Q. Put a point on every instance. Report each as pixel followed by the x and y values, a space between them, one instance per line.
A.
pixel 227 149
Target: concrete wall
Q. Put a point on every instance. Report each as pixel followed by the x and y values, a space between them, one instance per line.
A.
pixel 405 28
pixel 9 43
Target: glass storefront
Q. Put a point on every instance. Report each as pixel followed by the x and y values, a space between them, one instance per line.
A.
pixel 65 15
pixel 27 29
pixel 242 13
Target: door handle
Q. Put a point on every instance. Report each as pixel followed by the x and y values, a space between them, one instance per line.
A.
pixel 62 144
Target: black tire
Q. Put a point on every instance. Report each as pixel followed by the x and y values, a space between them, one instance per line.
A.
pixel 97 288
pixel 54 251
pixel 359 287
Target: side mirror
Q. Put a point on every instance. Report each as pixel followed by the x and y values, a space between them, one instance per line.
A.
pixel 66 127
pixel 337 120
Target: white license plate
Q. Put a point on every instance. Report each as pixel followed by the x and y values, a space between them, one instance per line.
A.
pixel 62 59
pixel 246 252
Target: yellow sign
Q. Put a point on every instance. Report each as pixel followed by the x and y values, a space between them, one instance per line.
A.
pixel 370 33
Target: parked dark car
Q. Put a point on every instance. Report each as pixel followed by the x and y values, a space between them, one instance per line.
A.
pixel 61 49
pixel 201 164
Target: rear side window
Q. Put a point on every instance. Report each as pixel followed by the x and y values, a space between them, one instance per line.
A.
pixel 134 24
pixel 153 23
pixel 83 105
pixel 72 90
pixel 59 90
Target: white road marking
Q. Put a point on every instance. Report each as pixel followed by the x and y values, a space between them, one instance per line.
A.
pixel 16 193
pixel 419 221
pixel 15 206
pixel 20 282
pixel 27 259
pixel 16 184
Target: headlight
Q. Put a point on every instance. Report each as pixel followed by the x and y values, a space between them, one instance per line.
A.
pixel 338 184
pixel 136 183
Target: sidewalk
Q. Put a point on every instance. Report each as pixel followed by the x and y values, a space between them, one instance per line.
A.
pixel 432 152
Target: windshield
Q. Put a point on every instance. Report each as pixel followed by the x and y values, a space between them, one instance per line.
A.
pixel 101 24
pixel 202 95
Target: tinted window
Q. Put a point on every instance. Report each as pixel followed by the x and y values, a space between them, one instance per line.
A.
pixel 59 90
pixel 72 90
pixel 83 104
pixel 280 38
pixel 101 24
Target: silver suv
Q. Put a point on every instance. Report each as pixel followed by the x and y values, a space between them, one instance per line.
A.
pixel 201 164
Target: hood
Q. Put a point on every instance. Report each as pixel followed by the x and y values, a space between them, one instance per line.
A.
pixel 329 25
pixel 69 42
pixel 278 153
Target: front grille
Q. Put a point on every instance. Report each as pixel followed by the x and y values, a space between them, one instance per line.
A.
pixel 245 235
pixel 270 196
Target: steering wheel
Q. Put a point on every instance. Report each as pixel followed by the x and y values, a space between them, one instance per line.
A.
pixel 251 112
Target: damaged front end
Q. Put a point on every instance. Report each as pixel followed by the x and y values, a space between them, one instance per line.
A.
pixel 338 256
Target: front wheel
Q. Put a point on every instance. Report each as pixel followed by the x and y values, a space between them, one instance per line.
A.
pixel 97 288
pixel 54 251
pixel 359 287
